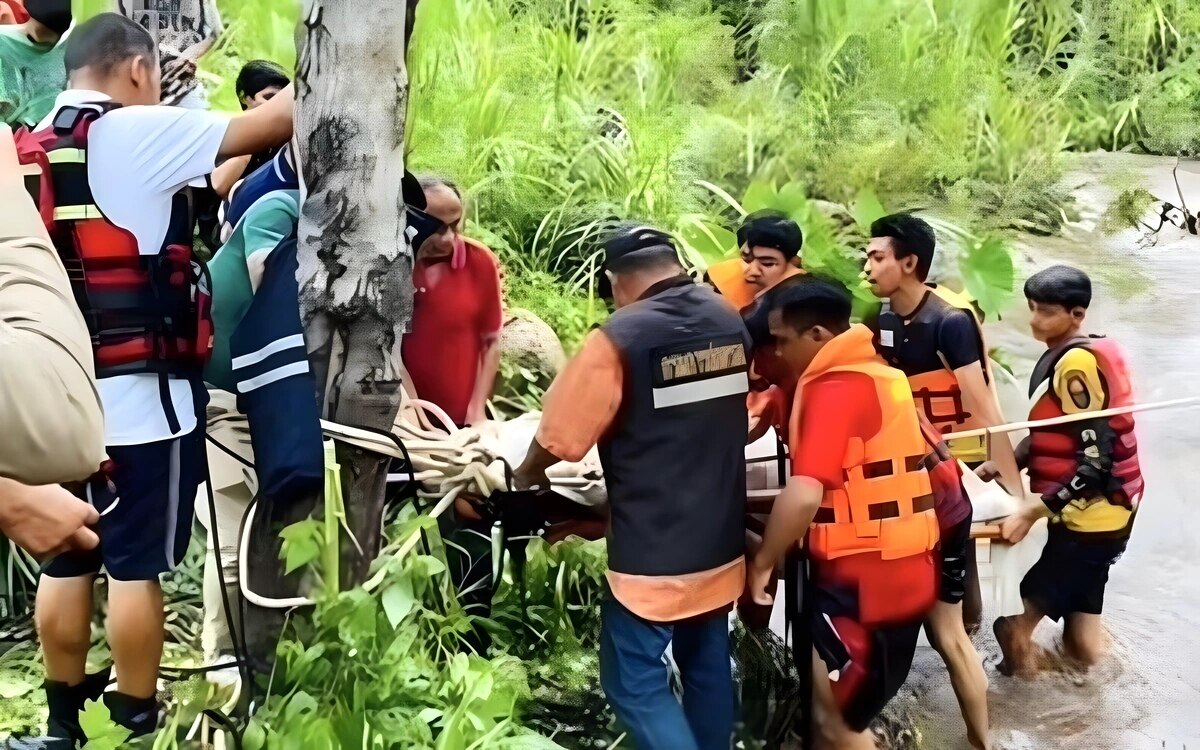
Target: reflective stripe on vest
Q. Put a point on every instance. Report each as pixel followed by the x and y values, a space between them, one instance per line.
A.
pixel 886 502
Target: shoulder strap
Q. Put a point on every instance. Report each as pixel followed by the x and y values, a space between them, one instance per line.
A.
pixel 1045 365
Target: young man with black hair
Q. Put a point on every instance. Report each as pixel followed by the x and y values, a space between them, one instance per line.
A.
pixel 860 496
pixel 31 62
pixel 257 83
pixel 936 340
pixel 667 367
pixel 1086 473
pixel 121 172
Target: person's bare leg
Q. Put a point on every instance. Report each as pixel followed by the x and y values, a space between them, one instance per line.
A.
pixel 829 729
pixel 1014 634
pixel 1085 638
pixel 63 615
pixel 949 638
pixel 135 635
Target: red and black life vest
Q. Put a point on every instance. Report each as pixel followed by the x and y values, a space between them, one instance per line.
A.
pixel 145 313
pixel 1053 450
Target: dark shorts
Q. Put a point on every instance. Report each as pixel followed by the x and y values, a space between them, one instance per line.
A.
pixel 145 513
pixel 954 559
pixel 867 653
pixel 1071 574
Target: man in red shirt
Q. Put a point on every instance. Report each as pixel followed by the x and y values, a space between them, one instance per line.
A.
pixel 452 353
pixel 862 501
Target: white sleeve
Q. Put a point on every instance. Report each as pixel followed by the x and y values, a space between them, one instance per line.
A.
pixel 165 148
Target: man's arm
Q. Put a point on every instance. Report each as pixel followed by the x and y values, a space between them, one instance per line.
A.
pixel 790 518
pixel 226 175
pixel 50 413
pixel 578 409
pixel 261 128
pixel 979 400
pixel 491 321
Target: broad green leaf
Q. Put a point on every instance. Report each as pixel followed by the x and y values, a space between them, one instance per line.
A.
pixel 759 195
pixel 102 732
pixel 255 736
pixel 398 601
pixel 792 200
pixel 866 208
pixel 300 544
pixel 988 273
pixel 429 715
pixel 710 242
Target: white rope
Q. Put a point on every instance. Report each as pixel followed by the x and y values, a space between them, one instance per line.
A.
pixel 1081 417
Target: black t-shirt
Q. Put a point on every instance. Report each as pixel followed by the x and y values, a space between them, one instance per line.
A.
pixel 937 335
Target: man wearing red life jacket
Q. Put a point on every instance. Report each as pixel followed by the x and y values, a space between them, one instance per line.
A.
pixel 1086 472
pixel 861 496
pixel 113 193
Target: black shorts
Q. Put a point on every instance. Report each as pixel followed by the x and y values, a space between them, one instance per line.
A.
pixel 953 561
pixel 867 667
pixel 145 514
pixel 1071 574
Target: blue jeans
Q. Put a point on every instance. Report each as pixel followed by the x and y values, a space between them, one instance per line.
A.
pixel 637 683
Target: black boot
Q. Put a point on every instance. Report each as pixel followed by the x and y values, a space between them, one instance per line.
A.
pixel 138 715
pixel 65 702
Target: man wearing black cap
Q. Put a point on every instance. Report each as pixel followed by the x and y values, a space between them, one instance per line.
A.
pixel 661 387
pixel 31 62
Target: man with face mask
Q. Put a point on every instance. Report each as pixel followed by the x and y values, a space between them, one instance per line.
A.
pixel 31 62
pixel 121 217
pixel 661 387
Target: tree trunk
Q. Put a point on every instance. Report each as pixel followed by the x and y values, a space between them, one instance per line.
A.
pixel 355 265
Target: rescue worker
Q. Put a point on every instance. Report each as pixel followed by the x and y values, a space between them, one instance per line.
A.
pixel 860 493
pixel 770 245
pixel 939 345
pixel 1086 473
pixel 114 191
pixel 257 83
pixel 669 365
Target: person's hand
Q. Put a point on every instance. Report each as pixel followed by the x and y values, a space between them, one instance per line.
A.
pixel 46 520
pixel 987 471
pixel 759 575
pixel 1014 528
pixel 530 480
pixel 177 68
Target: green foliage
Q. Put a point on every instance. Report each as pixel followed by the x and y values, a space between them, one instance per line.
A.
pixel 392 666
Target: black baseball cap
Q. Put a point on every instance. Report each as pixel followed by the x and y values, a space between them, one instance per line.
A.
pixel 625 239
pixel 770 228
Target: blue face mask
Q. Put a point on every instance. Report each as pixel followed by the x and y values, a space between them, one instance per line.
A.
pixel 421 226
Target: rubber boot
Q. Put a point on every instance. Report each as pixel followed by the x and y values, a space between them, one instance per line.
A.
pixel 138 715
pixel 65 702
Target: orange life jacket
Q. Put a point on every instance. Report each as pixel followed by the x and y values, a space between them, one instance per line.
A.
pixel 727 278
pixel 1053 451
pixel 939 397
pixel 886 502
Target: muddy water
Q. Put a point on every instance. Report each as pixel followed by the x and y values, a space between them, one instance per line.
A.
pixel 1148 694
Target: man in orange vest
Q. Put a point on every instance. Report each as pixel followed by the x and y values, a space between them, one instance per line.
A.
pixel 939 346
pixel 861 495
pixel 1087 474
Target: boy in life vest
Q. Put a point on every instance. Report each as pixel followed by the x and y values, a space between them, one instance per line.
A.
pixel 935 339
pixel 1086 473
pixel 861 498
pixel 116 200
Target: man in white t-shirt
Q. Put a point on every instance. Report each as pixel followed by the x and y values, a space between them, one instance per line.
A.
pixel 138 156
